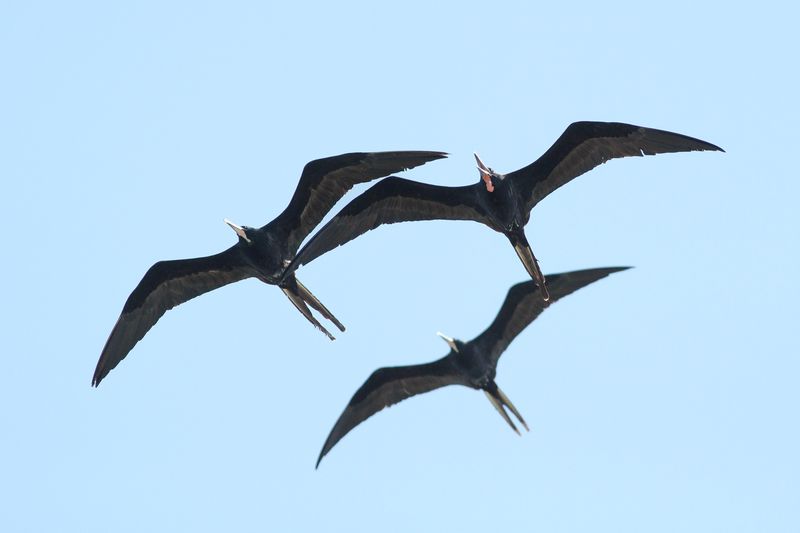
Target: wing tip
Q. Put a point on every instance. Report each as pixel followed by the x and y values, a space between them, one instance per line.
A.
pixel 99 373
pixel 327 447
pixel 694 144
pixel 602 272
pixel 703 146
pixel 628 128
pixel 420 157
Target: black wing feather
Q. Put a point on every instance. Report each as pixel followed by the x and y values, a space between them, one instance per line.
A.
pixel 324 182
pixel 388 386
pixel 585 145
pixel 524 303
pixel 165 285
pixel 389 201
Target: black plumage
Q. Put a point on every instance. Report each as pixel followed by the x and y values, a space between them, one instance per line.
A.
pixel 472 364
pixel 263 253
pixel 502 202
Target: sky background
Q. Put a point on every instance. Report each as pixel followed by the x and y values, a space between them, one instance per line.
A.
pixel 660 399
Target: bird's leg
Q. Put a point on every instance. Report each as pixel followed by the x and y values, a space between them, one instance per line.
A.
pixel 530 262
pixel 499 400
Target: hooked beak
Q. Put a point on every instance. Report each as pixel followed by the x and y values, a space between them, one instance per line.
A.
pixel 238 229
pixel 486 173
pixel 498 399
pixel 449 340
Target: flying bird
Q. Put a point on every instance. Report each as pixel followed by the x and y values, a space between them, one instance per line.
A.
pixel 263 253
pixel 472 364
pixel 501 201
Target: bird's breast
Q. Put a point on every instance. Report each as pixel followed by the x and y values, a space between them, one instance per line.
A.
pixel 477 371
pixel 269 262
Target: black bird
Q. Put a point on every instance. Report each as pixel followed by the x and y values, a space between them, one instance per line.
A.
pixel 262 253
pixel 502 202
pixel 472 364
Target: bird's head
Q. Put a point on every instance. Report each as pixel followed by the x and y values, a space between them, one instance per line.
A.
pixel 489 176
pixel 244 232
pixel 455 345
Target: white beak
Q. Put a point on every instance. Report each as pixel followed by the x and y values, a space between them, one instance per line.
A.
pixel 486 173
pixel 238 229
pixel 483 168
pixel 449 340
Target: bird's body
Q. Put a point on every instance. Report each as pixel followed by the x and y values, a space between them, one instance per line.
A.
pixel 502 202
pixel 471 364
pixel 267 254
pixel 263 253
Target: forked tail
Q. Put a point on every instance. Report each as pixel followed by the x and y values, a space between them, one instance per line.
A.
pixel 299 295
pixel 500 402
pixel 525 255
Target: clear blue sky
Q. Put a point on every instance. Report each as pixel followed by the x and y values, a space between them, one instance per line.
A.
pixel 660 399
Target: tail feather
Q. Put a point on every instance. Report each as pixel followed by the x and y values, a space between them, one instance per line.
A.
pixel 530 262
pixel 291 292
pixel 312 300
pixel 500 401
pixel 299 295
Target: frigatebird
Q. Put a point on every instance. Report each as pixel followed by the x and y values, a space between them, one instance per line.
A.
pixel 472 364
pixel 262 253
pixel 501 201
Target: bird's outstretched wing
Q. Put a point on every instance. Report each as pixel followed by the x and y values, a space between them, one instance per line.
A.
pixel 165 285
pixel 523 304
pixel 389 201
pixel 387 386
pixel 324 182
pixel 585 145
